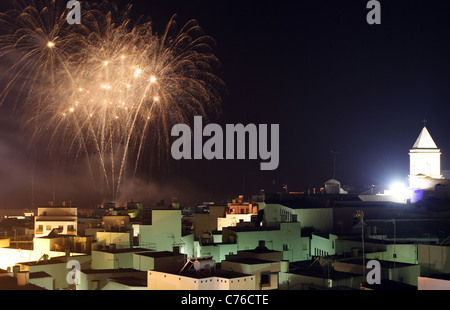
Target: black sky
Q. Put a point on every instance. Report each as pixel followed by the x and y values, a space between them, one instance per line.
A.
pixel 317 68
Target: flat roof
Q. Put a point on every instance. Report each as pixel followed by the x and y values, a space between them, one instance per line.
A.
pixel 215 272
pixel 119 251
pixel 131 281
pixel 53 260
pixel 305 268
pixel 330 201
pixel 249 261
pixel 390 285
pixel 102 271
pixel 160 254
pixel 263 228
pixel 439 276
pixel 39 274
pixel 259 251
pixel 10 283
pixel 383 263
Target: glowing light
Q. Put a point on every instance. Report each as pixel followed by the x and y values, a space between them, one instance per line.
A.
pixel 153 79
pixel 137 72
pixel 50 44
pixel 400 191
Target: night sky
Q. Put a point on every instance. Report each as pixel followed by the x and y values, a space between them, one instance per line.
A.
pixel 317 68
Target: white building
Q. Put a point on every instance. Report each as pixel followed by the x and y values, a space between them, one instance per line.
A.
pixel 320 218
pixel 62 218
pixel 334 187
pixel 91 279
pixel 114 258
pixel 425 163
pixel 216 280
pixel 164 233
pixel 285 238
pixel 265 272
pixel 434 283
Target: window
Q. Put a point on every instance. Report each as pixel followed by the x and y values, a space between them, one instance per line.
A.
pixel 285 247
pixel 48 227
pixel 265 279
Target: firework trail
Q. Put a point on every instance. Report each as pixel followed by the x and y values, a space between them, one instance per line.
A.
pixel 108 90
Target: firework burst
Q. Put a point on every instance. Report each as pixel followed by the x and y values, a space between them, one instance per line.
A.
pixel 107 90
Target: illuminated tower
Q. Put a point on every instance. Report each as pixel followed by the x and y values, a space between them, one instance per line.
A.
pixel 425 162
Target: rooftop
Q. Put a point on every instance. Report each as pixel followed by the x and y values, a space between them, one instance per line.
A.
pixel 390 285
pixel 425 141
pixel 113 271
pixel 130 281
pixel 329 201
pixel 439 276
pixel 308 268
pixel 383 263
pixel 160 254
pixel 39 274
pixel 263 228
pixel 249 261
pixel 217 273
pixel 10 283
pixel 119 251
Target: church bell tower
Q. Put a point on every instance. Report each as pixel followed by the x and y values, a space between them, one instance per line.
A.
pixel 425 162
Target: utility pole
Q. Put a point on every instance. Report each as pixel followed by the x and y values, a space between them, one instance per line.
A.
pixel 361 216
pixel 334 163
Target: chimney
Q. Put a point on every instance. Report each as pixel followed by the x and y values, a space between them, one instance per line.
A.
pixel 16 270
pixel 23 278
pixel 176 250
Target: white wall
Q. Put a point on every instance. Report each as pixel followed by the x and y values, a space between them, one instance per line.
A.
pixel 319 218
pixel 289 234
pixel 114 286
pixel 10 257
pixel 230 220
pixel 257 270
pixel 166 281
pixel 88 281
pixel 434 258
pixel 165 231
pixel 107 260
pixel 321 246
pixel 45 282
pixel 48 226
pixel 217 251
pixel 188 245
pixel 122 240
pixel 58 270
pixel 406 253
pixel 425 283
